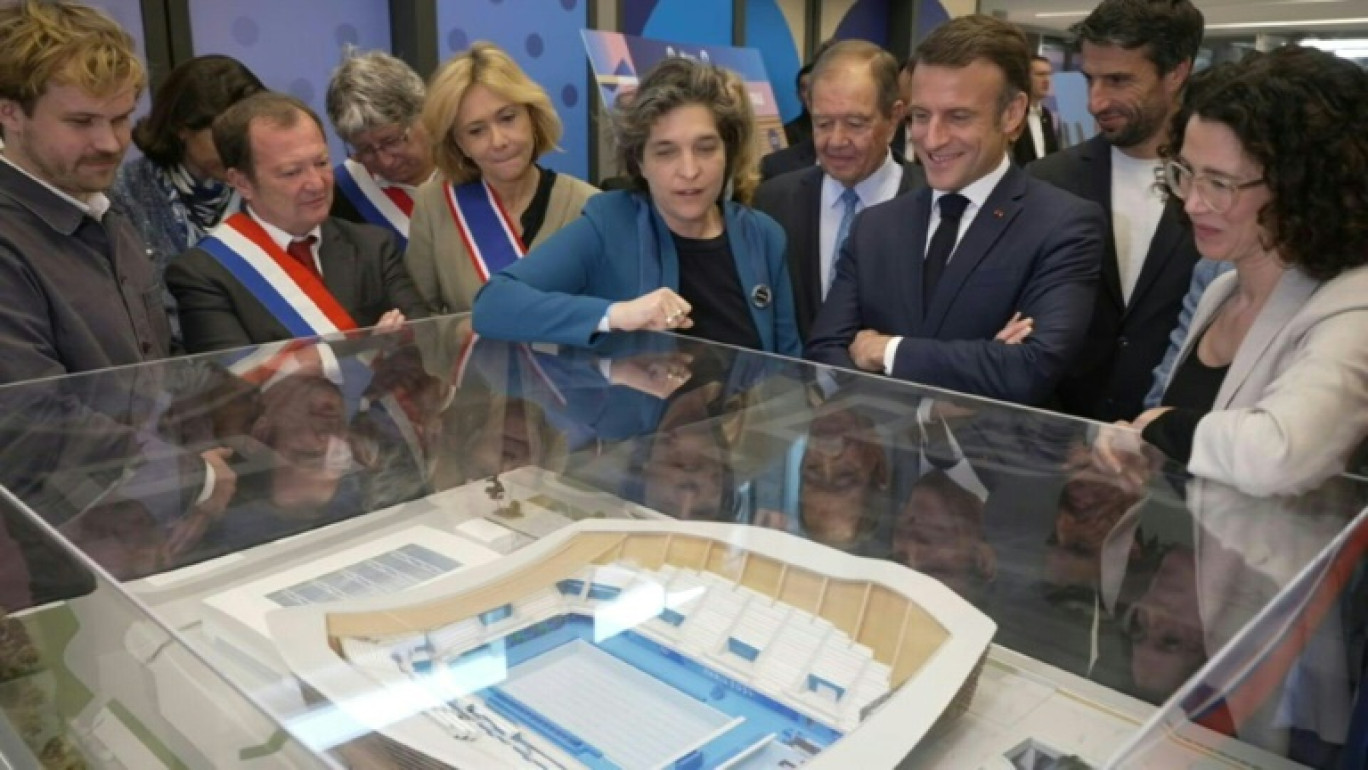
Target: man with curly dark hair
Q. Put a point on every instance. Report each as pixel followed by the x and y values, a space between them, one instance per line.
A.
pixel 1137 56
pixel 1270 159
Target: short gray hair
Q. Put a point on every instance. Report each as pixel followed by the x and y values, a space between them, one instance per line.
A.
pixel 373 89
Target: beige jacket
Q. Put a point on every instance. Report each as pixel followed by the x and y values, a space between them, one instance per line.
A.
pixel 1294 405
pixel 437 257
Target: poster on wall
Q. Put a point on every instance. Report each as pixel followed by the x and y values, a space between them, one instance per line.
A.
pixel 620 60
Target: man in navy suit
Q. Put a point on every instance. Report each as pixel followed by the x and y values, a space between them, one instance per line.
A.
pixel 929 285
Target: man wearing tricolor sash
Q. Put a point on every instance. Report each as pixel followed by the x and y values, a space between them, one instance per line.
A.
pixel 374 102
pixel 284 268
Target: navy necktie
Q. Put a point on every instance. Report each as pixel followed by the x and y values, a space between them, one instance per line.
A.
pixel 952 207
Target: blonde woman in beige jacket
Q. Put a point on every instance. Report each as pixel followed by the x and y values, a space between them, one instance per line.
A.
pixel 491 202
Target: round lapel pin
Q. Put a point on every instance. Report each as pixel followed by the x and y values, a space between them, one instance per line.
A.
pixel 761 296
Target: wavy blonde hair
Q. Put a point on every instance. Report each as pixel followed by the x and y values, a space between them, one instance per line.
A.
pixel 42 43
pixel 486 64
pixel 673 83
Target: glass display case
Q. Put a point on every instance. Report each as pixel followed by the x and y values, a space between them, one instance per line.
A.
pixel 384 551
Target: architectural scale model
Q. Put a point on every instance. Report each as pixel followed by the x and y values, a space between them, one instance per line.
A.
pixel 645 644
pixel 379 566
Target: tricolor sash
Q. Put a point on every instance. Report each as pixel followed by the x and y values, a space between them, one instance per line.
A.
pixel 289 291
pixel 489 236
pixel 388 207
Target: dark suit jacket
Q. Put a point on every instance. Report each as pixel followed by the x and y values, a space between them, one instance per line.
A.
pixel 1110 377
pixel 795 202
pixel 343 208
pixel 792 158
pixel 1032 248
pixel 1023 151
pixel 362 267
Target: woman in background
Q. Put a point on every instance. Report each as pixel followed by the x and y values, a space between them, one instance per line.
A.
pixel 489 125
pixel 679 251
pixel 174 192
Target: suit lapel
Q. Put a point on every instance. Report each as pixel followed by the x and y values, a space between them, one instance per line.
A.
pixel 915 262
pixel 1292 292
pixel 339 259
pixel 1003 206
pixel 1096 157
pixel 1163 247
pixel 809 267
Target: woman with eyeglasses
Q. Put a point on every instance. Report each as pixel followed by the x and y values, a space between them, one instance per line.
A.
pixel 374 101
pixel 1270 159
pixel 491 202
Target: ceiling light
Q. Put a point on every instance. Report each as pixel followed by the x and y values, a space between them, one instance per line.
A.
pixel 1297 23
pixel 1336 45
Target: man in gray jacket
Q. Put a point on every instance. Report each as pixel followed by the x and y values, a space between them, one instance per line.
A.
pixel 76 291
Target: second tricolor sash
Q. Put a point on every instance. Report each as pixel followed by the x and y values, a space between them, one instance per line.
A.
pixel 289 291
pixel 490 239
pixel 388 207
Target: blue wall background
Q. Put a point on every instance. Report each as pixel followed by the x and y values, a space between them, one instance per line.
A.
pixel 292 46
pixel 128 13
pixel 546 44
pixel 767 30
pixel 866 20
pixel 706 22
pixel 932 14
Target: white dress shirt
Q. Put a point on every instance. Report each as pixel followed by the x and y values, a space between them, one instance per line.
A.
pixel 1137 206
pixel 1037 128
pixel 977 192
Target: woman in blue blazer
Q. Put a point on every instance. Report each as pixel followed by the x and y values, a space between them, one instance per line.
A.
pixel 673 253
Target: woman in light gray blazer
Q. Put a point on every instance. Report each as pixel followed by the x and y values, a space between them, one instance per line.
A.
pixel 1270 157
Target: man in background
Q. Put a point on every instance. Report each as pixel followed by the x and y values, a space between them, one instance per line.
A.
pixel 1136 56
pixel 1041 136
pixel 856 108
